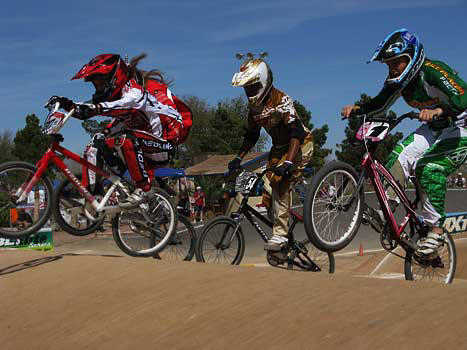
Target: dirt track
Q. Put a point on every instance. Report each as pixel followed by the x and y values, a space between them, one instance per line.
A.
pixel 100 302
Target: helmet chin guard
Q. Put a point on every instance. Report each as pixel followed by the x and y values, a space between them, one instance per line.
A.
pixel 256 78
pixel 397 44
pixel 112 68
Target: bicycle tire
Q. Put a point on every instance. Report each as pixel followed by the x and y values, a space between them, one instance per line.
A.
pixel 410 262
pixel 314 233
pixel 57 213
pixel 48 195
pixel 331 259
pixel 190 232
pixel 156 245
pixel 208 229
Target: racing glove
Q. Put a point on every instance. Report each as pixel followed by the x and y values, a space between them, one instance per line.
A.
pixel 234 164
pixel 284 170
pixel 65 103
pixel 85 111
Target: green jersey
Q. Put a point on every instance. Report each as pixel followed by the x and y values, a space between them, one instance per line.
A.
pixel 435 150
pixel 436 85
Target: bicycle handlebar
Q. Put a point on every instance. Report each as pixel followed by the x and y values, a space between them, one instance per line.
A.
pixel 53 106
pixel 392 121
pixel 228 172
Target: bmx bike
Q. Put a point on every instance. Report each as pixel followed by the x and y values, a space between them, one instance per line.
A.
pixel 181 246
pixel 334 208
pixel 222 240
pixel 19 179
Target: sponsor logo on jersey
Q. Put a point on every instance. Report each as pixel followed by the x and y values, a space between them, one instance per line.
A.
pixel 448 81
pixel 424 104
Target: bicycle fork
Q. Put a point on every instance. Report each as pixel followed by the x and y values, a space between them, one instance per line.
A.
pixel 225 236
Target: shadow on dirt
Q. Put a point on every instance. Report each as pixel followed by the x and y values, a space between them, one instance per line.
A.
pixel 37 262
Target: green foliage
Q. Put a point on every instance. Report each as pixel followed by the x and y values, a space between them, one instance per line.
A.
pixel 319 137
pixel 212 187
pixel 218 129
pixel 5 213
pixel 6 145
pixel 92 126
pixel 30 143
pixel 351 152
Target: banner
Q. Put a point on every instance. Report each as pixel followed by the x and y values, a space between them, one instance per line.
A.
pixel 455 222
pixel 41 240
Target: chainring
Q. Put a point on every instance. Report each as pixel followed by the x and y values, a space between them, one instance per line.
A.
pixel 276 258
pixel 386 240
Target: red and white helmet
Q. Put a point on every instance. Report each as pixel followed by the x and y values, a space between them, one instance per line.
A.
pixel 255 77
pixel 112 68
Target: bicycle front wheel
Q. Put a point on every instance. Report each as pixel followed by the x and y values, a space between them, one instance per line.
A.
pixel 333 208
pixel 146 230
pixel 21 219
pixel 70 209
pixel 221 242
pixel 440 269
pixel 182 245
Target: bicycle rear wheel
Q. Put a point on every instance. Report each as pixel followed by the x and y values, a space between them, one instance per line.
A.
pixel 21 219
pixel 221 242
pixel 147 229
pixel 324 260
pixel 69 209
pixel 440 269
pixel 333 208
pixel 182 245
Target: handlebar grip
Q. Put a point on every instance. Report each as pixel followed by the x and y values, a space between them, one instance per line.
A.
pixel 411 115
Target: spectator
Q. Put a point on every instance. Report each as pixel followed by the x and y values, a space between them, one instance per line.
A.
pixel 459 180
pixel 200 202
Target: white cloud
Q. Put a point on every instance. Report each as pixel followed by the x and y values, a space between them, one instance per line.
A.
pixel 277 16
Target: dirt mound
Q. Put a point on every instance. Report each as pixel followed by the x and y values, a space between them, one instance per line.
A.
pixel 119 303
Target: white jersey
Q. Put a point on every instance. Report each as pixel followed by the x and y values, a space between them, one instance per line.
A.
pixel 140 110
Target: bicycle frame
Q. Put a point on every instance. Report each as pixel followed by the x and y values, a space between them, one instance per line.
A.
pixel 248 211
pixel 372 169
pixel 51 157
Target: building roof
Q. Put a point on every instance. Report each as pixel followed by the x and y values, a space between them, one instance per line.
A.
pixel 217 164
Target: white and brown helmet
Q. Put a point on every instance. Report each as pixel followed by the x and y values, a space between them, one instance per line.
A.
pixel 255 77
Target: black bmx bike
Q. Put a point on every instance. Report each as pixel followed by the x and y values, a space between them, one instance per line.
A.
pixel 222 240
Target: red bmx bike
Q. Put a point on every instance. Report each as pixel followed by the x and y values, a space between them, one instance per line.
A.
pixel 335 203
pixel 27 189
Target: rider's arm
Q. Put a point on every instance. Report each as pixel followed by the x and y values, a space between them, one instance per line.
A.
pixel 250 138
pixel 294 127
pixel 451 88
pixel 297 135
pixel 380 103
pixel 132 98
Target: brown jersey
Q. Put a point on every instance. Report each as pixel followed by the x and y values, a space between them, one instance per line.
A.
pixel 274 115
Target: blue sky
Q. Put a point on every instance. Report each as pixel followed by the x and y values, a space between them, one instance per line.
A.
pixel 317 49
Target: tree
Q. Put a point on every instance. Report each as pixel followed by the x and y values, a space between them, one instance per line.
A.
pixel 212 187
pixel 6 145
pixel 92 126
pixel 351 152
pixel 217 129
pixel 30 143
pixel 319 137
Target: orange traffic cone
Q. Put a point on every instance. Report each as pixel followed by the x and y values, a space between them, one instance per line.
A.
pixel 360 250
